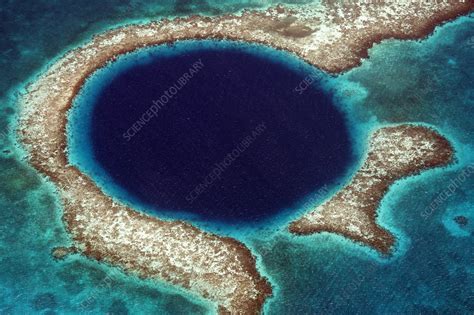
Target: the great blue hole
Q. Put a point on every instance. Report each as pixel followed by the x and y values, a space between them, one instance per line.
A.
pixel 222 133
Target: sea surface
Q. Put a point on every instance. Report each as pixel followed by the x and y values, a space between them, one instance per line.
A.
pixel 431 271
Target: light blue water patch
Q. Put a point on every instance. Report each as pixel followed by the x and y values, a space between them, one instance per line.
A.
pixel 461 212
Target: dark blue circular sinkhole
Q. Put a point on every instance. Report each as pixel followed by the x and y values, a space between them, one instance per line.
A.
pixel 219 132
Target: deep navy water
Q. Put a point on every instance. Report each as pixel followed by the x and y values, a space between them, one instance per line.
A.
pixel 432 270
pixel 229 134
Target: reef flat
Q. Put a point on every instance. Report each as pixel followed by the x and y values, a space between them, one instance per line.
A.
pixel 394 153
pixel 331 36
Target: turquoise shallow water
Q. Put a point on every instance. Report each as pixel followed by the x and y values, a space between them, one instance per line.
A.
pixel 431 272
